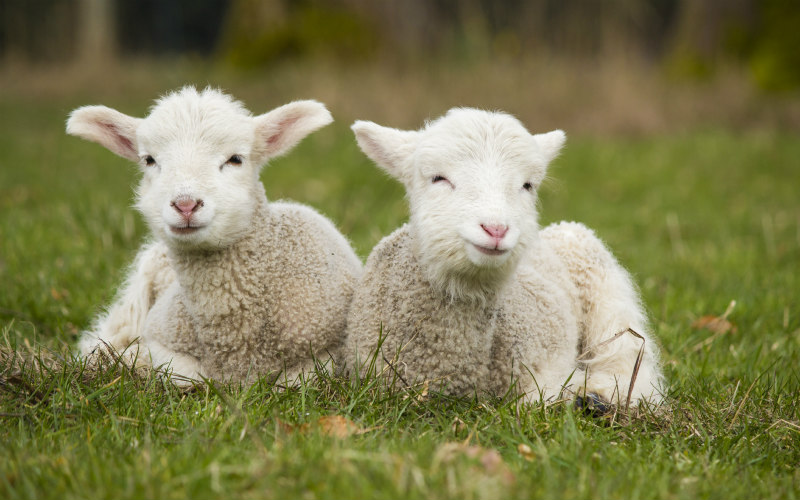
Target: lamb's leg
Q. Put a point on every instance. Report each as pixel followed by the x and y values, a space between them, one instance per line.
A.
pixel 610 305
pixel 183 369
pixel 120 327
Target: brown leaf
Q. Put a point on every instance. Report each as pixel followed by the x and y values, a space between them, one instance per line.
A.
pixel 714 324
pixel 337 426
pixel 290 428
pixel 330 425
pixel 526 452
pixel 718 325
pixel 424 393
pixel 458 425
pixel 490 460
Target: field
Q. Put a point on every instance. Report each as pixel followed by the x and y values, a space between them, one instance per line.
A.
pixel 706 217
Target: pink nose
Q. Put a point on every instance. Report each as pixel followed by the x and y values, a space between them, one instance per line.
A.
pixel 496 231
pixel 187 206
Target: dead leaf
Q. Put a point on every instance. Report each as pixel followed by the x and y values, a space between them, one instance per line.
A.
pixel 424 392
pixel 330 425
pixel 337 426
pixel 491 462
pixel 526 452
pixel 458 425
pixel 717 325
pixel 714 324
pixel 284 427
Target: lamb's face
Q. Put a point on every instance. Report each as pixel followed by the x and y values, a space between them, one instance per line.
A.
pixel 200 153
pixel 471 179
pixel 472 190
pixel 199 183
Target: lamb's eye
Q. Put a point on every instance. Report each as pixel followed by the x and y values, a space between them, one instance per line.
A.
pixel 436 179
pixel 527 186
pixel 234 160
pixel 149 161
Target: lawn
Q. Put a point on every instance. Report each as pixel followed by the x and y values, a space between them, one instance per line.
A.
pixel 707 220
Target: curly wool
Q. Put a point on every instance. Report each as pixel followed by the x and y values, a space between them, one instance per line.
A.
pixel 460 346
pixel 532 310
pixel 269 303
pixel 232 287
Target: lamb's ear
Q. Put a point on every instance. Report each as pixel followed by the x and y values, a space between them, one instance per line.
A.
pixel 389 148
pixel 279 130
pixel 108 127
pixel 550 144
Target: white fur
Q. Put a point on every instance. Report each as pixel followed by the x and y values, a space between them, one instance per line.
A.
pixel 237 286
pixel 473 309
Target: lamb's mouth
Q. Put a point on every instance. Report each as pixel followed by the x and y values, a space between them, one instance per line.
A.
pixel 185 229
pixel 490 251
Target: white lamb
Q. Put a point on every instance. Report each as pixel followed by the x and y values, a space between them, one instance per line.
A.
pixel 470 295
pixel 233 286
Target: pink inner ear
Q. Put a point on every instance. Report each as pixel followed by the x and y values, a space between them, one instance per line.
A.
pixel 123 143
pixel 282 126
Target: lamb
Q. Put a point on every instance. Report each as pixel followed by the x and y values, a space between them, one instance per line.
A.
pixel 232 286
pixel 470 296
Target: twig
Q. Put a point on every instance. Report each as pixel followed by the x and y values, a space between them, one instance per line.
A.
pixel 744 399
pixel 389 363
pixel 636 365
pixel 796 427
pixel 604 343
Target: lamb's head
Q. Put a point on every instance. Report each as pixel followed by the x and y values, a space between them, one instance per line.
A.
pixel 201 154
pixel 471 178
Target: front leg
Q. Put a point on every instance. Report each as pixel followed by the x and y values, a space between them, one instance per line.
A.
pixel 614 327
pixel 119 329
pixel 541 334
pixel 169 340
pixel 183 369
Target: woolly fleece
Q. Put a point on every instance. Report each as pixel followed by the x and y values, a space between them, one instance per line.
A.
pixel 232 287
pixel 470 296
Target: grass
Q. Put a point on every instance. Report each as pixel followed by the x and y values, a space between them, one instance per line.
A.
pixel 701 218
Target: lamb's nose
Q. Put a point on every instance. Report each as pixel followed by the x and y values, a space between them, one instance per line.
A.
pixel 496 231
pixel 186 206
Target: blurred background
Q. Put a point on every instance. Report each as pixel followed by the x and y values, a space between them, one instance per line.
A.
pixel 618 66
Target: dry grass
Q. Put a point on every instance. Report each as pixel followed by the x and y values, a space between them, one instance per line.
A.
pixel 587 97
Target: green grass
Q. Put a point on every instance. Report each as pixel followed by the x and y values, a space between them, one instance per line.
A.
pixel 700 219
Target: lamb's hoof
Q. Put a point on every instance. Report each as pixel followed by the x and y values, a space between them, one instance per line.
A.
pixel 593 404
